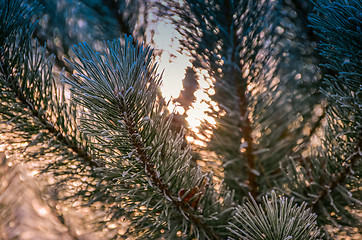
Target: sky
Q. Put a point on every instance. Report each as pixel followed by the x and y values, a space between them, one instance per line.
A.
pixel 173 65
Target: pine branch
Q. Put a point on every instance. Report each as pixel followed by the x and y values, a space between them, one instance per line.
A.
pixel 67 141
pixel 29 67
pixel 328 178
pixel 33 104
pixel 160 184
pixel 259 118
pixel 132 137
pixel 341 177
pixel 342 88
pixel 277 218
pixel 143 169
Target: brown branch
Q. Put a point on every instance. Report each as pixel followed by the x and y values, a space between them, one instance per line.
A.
pixel 247 134
pixel 245 125
pixel 151 172
pixel 341 177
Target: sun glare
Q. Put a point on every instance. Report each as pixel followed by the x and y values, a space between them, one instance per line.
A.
pixel 173 63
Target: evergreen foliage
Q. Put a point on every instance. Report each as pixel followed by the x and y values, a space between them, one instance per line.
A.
pixel 34 107
pixel 280 220
pixel 114 135
pixel 329 178
pixel 151 173
pixel 258 87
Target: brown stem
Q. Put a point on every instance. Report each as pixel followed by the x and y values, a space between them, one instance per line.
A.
pixel 245 123
pixel 341 177
pixel 247 134
pixel 303 145
pixel 158 182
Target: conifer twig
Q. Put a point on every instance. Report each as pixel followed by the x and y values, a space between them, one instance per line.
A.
pixel 50 126
pixel 163 188
pixel 119 92
pixel 340 178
